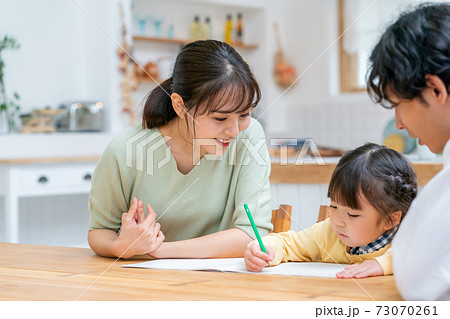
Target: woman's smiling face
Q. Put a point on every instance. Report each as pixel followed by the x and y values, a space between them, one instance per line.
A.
pixel 215 131
pixel 214 124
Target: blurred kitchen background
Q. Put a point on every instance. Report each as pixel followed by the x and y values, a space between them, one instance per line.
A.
pixel 76 90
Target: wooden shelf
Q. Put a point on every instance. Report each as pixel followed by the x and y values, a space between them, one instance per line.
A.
pixel 160 40
pixel 183 42
pixel 250 46
pixel 149 79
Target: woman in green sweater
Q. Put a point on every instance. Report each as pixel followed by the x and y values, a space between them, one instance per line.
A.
pixel 197 158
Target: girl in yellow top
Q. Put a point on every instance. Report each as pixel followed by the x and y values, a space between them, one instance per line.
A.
pixel 370 192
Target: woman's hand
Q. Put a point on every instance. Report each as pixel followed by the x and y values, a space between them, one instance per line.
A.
pixel 138 234
pixel 368 268
pixel 256 259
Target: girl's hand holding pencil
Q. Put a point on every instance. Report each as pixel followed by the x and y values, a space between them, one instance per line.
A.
pixel 256 259
pixel 257 256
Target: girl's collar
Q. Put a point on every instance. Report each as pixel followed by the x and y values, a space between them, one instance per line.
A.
pixel 377 244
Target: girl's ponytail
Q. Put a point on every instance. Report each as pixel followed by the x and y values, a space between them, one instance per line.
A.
pixel 403 188
pixel 158 108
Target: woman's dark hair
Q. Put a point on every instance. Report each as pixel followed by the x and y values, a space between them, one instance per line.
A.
pixel 417 44
pixel 384 176
pixel 207 75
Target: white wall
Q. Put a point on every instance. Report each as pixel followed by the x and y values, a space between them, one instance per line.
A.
pixel 66 56
pixel 52 64
pixel 314 108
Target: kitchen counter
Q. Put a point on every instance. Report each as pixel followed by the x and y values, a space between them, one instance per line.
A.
pixel 302 186
pixel 50 160
pixel 54 145
pixel 290 173
pixel 313 173
pixel 305 187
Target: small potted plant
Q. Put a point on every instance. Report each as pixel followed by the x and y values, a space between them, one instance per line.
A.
pixel 9 109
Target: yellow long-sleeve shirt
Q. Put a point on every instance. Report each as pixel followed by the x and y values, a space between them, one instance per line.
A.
pixel 320 243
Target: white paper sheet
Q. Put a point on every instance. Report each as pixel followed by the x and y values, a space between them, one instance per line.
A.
pixel 237 265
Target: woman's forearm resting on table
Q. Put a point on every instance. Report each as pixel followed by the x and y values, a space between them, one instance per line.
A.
pixel 101 242
pixel 106 243
pixel 225 244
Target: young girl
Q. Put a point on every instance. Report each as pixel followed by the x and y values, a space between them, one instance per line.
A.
pixel 370 192
pixel 189 162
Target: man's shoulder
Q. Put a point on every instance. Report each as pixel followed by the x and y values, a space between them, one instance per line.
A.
pixel 437 187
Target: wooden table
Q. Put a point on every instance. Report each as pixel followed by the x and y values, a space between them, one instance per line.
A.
pixel 29 272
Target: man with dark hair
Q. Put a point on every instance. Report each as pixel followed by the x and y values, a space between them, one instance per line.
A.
pixel 410 72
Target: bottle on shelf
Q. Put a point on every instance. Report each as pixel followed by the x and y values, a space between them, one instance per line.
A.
pixel 142 21
pixel 207 29
pixel 157 23
pixel 196 29
pixel 170 32
pixel 239 31
pixel 228 29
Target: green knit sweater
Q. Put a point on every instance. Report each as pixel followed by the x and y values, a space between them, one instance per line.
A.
pixel 210 198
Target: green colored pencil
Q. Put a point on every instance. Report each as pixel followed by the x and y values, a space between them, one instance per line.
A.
pixel 255 229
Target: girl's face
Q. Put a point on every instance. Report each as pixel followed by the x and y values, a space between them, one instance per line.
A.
pixel 357 227
pixel 214 132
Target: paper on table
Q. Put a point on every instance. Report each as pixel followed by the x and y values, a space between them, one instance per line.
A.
pixel 237 265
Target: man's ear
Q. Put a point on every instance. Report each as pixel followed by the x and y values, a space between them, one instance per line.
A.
pixel 394 220
pixel 178 105
pixel 437 88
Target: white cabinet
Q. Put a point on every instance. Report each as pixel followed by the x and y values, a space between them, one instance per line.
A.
pixel 35 180
pixel 21 180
